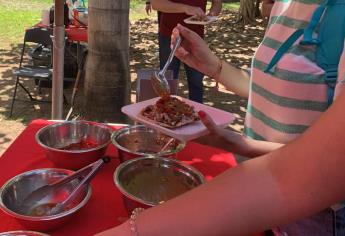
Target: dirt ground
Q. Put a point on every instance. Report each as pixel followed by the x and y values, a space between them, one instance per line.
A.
pixel 230 41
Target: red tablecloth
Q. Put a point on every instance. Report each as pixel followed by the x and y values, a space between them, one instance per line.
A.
pixel 76 33
pixel 73 33
pixel 105 205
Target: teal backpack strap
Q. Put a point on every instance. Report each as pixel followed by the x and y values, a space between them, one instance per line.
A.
pixel 330 41
pixel 331 80
pixel 315 19
pixel 331 34
pixel 282 49
pixel 307 37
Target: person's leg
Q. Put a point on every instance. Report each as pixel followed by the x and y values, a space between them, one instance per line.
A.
pixel 195 85
pixel 164 52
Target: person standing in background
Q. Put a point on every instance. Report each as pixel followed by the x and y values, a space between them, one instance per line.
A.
pixel 266 8
pixel 174 12
pixel 148 9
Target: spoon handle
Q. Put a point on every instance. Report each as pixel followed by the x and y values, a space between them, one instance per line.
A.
pixel 171 56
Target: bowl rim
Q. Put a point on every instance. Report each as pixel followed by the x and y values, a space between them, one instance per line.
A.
pixel 130 161
pixel 14 214
pixel 116 133
pixel 40 131
pixel 14 232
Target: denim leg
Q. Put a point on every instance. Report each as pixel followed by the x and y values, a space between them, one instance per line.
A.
pixel 339 220
pixel 164 51
pixel 195 85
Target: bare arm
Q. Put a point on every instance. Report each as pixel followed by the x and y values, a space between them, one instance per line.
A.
pixel 173 7
pixel 195 53
pixel 233 141
pixel 292 182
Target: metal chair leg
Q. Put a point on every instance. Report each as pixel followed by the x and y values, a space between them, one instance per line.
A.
pixel 14 96
pixel 27 91
pixel 65 100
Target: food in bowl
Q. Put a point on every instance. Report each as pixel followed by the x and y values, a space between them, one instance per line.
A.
pixel 149 181
pixel 170 112
pixel 162 184
pixel 74 144
pixel 80 145
pixel 139 140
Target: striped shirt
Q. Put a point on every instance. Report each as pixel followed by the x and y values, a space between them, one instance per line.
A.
pixel 284 103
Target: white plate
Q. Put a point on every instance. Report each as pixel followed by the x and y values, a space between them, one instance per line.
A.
pixel 210 19
pixel 186 132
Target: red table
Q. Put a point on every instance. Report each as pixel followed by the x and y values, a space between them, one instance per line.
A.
pixel 76 33
pixel 73 33
pixel 105 205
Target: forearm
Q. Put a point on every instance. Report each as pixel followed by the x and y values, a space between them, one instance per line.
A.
pixel 228 205
pixel 255 148
pixel 292 182
pixel 237 143
pixel 234 79
pixel 168 6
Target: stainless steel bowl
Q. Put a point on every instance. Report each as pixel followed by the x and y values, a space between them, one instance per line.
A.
pixel 58 139
pixel 15 190
pixel 139 140
pixel 149 181
pixel 22 233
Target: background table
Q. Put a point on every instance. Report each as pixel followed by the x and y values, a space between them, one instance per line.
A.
pixel 106 204
pixel 73 33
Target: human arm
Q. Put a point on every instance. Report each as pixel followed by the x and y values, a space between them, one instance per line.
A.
pixel 148 7
pixel 173 7
pixel 195 53
pixel 233 141
pixel 216 7
pixel 292 182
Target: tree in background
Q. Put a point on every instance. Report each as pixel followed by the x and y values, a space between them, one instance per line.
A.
pixel 249 10
pixel 107 78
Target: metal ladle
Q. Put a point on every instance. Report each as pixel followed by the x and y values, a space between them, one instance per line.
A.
pixel 158 80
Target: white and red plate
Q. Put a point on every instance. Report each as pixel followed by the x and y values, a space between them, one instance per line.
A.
pixel 186 132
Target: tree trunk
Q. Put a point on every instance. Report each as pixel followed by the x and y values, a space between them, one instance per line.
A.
pixel 107 80
pixel 246 13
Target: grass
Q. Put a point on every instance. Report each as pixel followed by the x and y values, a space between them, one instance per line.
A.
pixel 16 15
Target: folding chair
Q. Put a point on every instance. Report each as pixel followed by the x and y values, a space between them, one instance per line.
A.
pixel 39 36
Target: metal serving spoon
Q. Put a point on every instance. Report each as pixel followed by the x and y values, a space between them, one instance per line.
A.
pixel 39 194
pixel 158 80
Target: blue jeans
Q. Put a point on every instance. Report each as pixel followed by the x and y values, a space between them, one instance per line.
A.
pixel 194 77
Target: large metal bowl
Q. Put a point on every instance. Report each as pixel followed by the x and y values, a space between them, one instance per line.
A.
pixel 58 139
pixel 15 190
pixel 149 181
pixel 139 141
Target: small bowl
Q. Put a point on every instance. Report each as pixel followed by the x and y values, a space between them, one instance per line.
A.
pixel 15 190
pixel 74 144
pixel 139 141
pixel 149 181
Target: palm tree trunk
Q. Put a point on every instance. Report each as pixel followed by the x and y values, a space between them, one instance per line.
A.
pixel 107 80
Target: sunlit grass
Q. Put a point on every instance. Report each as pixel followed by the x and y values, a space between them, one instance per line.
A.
pixel 16 15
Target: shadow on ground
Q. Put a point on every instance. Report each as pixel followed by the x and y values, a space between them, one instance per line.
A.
pixel 234 43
